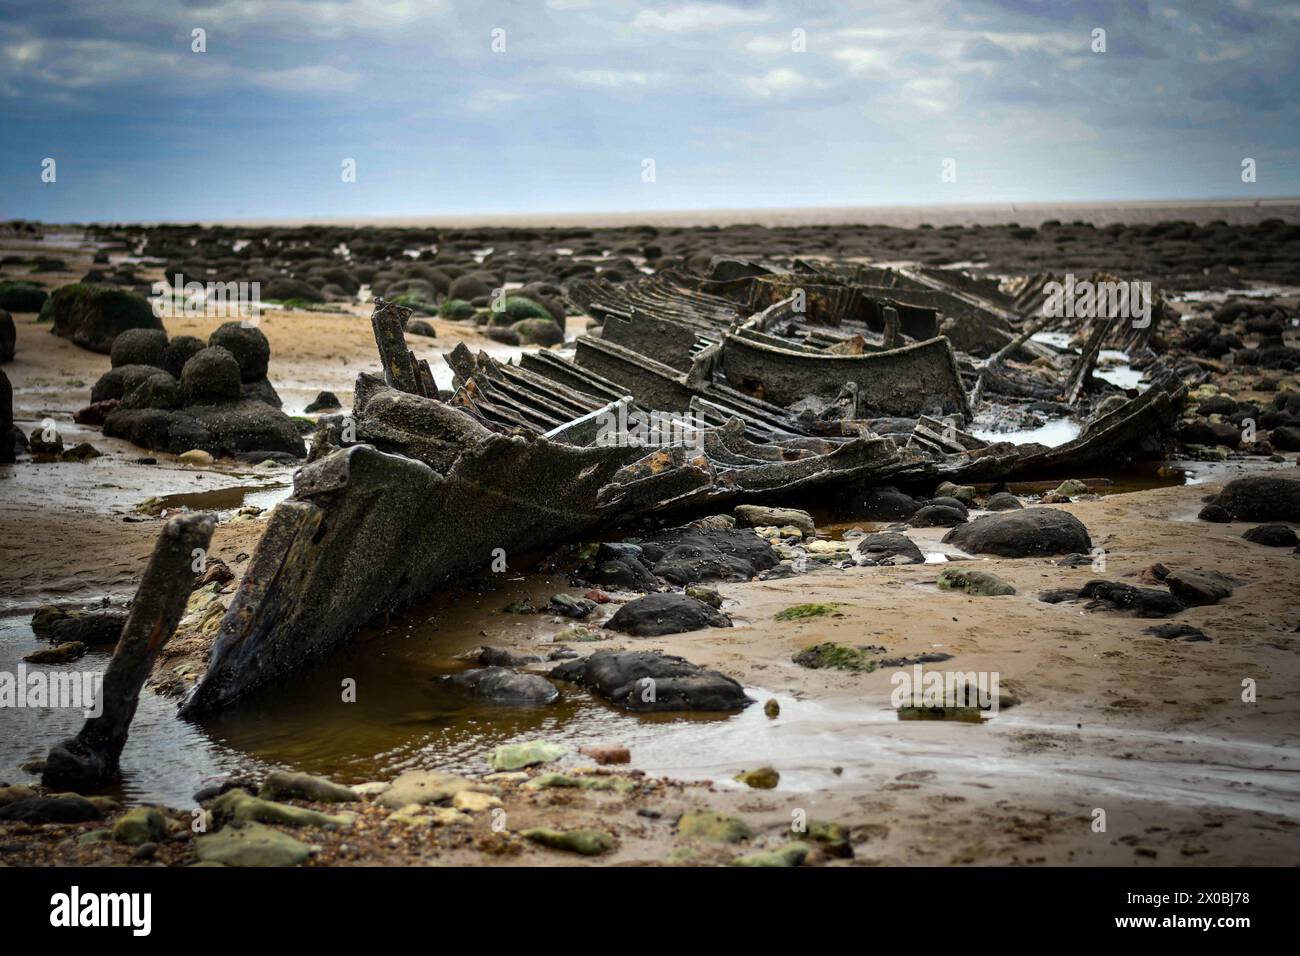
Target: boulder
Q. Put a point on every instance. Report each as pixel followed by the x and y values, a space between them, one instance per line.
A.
pixel 648 681
pixel 59 808
pixel 975 583
pixel 1003 501
pixel 211 377
pixel 887 504
pixel 8 336
pixel 757 516
pixel 139 347
pixel 92 316
pixel 667 613
pixel 248 345
pixel 324 401
pixel 1260 498
pixel 504 686
pixel 937 516
pixel 544 332
pixel 963 493
pixel 1272 536
pixel 286 785
pixel 1139 602
pixel 21 296
pixel 139 826
pixel 94 627
pixel 179 351
pixel 251 844
pixel 1029 532
pixel 689 555
pixel 1199 588
pixel 886 547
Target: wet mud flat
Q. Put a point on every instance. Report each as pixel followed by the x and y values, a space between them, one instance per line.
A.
pixel 1106 714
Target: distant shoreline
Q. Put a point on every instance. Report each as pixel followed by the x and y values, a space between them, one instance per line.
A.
pixel 1236 212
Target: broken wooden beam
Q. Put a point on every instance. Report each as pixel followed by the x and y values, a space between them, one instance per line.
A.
pixel 89 760
pixel 401 371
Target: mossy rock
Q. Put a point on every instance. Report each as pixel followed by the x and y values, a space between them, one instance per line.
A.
pixel 792 854
pixel 713 826
pixel 92 316
pixel 141 825
pixel 139 347
pixel 457 309
pixel 763 778
pixel 517 308
pixel 416 302
pixel 240 805
pixel 836 656
pixel 251 844
pixel 544 332
pixel 802 612
pixel 527 754
pixel 21 296
pixel 584 842
pixel 975 583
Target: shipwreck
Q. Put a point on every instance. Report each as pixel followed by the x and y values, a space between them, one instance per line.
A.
pixel 821 381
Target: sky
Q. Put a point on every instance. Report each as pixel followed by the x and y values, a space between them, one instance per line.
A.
pixel 504 106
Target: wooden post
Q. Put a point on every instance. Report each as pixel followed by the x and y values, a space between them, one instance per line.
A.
pixel 89 760
pixel 400 369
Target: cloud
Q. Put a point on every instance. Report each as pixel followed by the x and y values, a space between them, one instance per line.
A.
pixel 694 17
pixel 320 78
pixel 614 79
pixel 781 81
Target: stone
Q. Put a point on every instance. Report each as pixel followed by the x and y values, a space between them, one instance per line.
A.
pixel 648 681
pixel 503 657
pixel 1198 588
pixel 421 787
pixel 286 785
pixel 757 516
pixel 1177 632
pixel 665 613
pixel 584 842
pixel 887 504
pixel 92 316
pixel 828 654
pixel 240 805
pixel 963 493
pixel 544 332
pixel 139 826
pixel 15 793
pixel 1215 513
pixel 57 808
pixel 1272 536
pixel 196 457
pixel 713 826
pixel 324 401
pixel 1261 498
pixel 139 347
pixel 1070 488
pixel 772 708
pixel 527 754
pixel 251 844
pixel 975 583
pixel 802 612
pixel 689 555
pixel 505 686
pixel 937 516
pixel 1140 602
pixel 1003 501
pixel 61 654
pixel 607 753
pixel 211 377
pixel 792 854
pixel 249 346
pixel 1029 532
pixel 180 350
pixel 763 778
pixel 705 594
pixel 471 801
pixel 886 547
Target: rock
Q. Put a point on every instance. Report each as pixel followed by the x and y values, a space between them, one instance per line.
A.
pixel 667 613
pixel 1003 501
pixel 21 296
pixel 963 493
pixel 94 627
pixel 689 555
pixel 1285 438
pixel 937 516
pixel 471 801
pixel 566 605
pixel 772 708
pixel 196 457
pixel 139 347
pixel 607 753
pixel 504 686
pixel 792 854
pixel 1261 498
pixel 211 377
pixel 286 785
pixel 836 656
pixel 503 657
pixel 159 390
pixel 1216 514
pixel 886 547
pixel 92 316
pixel 82 451
pixel 8 336
pixel 1210 434
pixel 94 413
pixel 59 808
pixel 242 806
pixel 648 681
pixel 249 346
pixel 469 287
pixel 421 327
pixel 1272 536
pixel 975 583
pixel 1070 488
pixel 15 793
pixel 1026 533
pixel 116 383
pixel 624 574
pixel 706 594
pixel 1153 574
pixel 44 441
pixel 714 523
pixel 757 516
pixel 713 826
pixel 1199 588
pixel 139 826
pixel 544 332
pixel 421 787
pixel 1177 632
pixel 527 754
pixel 251 844
pixel 887 504
pixel 585 842
pixel 1140 602
pixel 62 654
pixel 764 778
pixel 179 351
pixel 323 402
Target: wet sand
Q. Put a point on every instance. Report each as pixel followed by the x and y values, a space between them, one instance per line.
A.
pixel 1151 731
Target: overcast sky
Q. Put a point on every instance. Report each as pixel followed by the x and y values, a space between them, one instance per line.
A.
pixel 738 104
